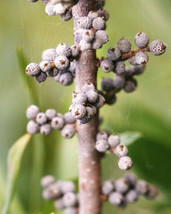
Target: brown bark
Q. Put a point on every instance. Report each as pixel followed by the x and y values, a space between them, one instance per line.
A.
pixel 89 159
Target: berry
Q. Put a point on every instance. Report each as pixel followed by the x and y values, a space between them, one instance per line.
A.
pixel 116 198
pixel 78 35
pixel 107 84
pixel 131 179
pixel 88 35
pixel 131 196
pixel 107 187
pixel 70 199
pixel 141 58
pixel 125 163
pixel 41 77
pixel 47 180
pixel 61 62
pixel 103 13
pixel 66 16
pixel 90 112
pixel 100 102
pixel 102 145
pixel 139 69
pixel 88 87
pixel 93 14
pixel 63 50
pixel 119 81
pixel 52 72
pixel 59 204
pixel 92 96
pixel 32 112
pixel 72 67
pixel 102 36
pixel 157 47
pixel 141 40
pixel 78 111
pixel 107 65
pixel 83 45
pixel 32 127
pixel 124 45
pixel 50 113
pixel 49 55
pixel 49 9
pixel 45 66
pixel 79 98
pixel 32 69
pixel 113 54
pixel 98 23
pixel 85 22
pixel 141 187
pixel 122 185
pixel 119 67
pixel 71 210
pixel 114 140
pixel 100 4
pixel 69 119
pixel 59 8
pixel 111 99
pixel 121 151
pixel 68 131
pixel 57 123
pixel 132 61
pixel 52 192
pixel 152 192
pixel 67 186
pixel 102 135
pixel 41 118
pixel 45 129
pixel 130 85
pixel 66 78
pixel 75 51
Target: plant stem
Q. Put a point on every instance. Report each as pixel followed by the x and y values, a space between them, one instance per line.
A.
pixel 89 159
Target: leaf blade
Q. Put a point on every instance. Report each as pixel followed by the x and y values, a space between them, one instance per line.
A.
pixel 14 161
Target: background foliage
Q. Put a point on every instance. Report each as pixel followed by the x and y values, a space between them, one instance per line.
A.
pixel 148 110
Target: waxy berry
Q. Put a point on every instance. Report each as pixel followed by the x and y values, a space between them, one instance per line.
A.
pixel 157 47
pixel 102 145
pixel 45 66
pixel 32 127
pixel 114 140
pixel 124 45
pixel 125 163
pixel 63 50
pixel 61 62
pixel 41 77
pixel 49 55
pixel 141 40
pixel 33 69
pixel 47 180
pixel 41 118
pixel 68 131
pixel 98 23
pixel 45 129
pixel 32 112
pixel 116 198
pixel 107 187
pixel 59 204
pixel 70 199
pixel 57 123
pixel 107 65
pixel 50 113
pixel 131 196
pixel 121 150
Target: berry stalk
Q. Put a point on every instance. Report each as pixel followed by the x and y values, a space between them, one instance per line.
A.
pixel 89 158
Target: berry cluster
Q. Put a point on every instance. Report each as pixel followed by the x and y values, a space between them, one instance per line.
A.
pixel 44 122
pixel 127 190
pixel 91 34
pixel 63 8
pixel 58 63
pixel 85 103
pixel 124 76
pixel 62 192
pixel 105 142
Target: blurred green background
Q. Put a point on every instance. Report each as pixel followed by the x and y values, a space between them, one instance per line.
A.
pixel 147 110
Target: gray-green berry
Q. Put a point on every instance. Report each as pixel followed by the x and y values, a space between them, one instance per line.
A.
pixel 63 50
pixel 102 145
pixel 62 62
pixel 32 112
pixel 124 45
pixel 107 65
pixel 41 118
pixel 45 129
pixel 113 53
pixel 32 127
pixel 33 69
pixel 45 66
pixel 57 123
pixel 157 47
pixel 141 40
pixel 125 163
pixel 68 131
pixel 119 81
pixel 119 67
pixel 141 58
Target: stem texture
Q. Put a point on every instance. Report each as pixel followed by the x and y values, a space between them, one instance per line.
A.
pixel 89 159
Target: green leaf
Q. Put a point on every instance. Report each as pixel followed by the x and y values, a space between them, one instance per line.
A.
pixel 29 83
pixel 14 160
pixel 129 137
